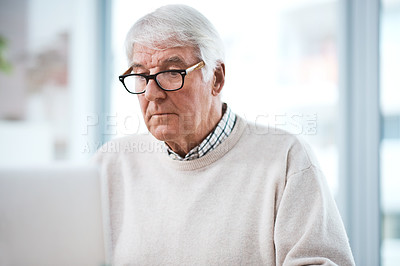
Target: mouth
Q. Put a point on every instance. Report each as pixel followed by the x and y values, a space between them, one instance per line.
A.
pixel 161 115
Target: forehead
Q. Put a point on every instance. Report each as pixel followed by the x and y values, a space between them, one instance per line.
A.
pixel 151 58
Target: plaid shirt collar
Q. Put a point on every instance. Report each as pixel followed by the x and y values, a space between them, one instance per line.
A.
pixel 219 134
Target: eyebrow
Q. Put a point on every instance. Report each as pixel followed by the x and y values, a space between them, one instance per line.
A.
pixel 135 65
pixel 172 59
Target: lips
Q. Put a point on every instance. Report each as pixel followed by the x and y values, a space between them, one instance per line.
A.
pixel 161 114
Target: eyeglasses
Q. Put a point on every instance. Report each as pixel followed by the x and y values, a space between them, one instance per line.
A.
pixel 168 80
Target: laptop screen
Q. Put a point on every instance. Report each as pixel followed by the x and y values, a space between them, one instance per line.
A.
pixel 51 216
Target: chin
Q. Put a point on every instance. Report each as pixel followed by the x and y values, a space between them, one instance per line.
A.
pixel 164 132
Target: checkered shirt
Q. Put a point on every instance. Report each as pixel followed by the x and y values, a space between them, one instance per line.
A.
pixel 220 133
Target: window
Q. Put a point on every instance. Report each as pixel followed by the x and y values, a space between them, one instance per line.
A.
pixel 390 144
pixel 46 81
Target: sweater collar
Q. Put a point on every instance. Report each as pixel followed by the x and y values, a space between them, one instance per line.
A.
pixel 212 156
pixel 216 137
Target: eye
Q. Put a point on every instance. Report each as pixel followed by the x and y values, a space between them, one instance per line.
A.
pixel 135 78
pixel 173 74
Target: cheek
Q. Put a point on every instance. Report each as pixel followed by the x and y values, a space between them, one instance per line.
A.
pixel 200 101
pixel 186 104
pixel 196 96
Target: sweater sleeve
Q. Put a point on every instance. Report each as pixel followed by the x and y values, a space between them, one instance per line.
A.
pixel 308 227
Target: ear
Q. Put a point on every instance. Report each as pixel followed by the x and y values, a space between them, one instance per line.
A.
pixel 218 79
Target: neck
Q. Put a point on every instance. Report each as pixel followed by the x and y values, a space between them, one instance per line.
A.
pixel 188 142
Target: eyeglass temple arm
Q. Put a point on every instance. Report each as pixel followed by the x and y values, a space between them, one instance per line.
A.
pixel 128 71
pixel 196 66
pixel 190 69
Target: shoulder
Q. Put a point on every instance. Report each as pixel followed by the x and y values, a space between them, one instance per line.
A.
pixel 279 147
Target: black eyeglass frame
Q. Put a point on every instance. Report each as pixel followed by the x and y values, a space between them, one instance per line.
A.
pixel 183 73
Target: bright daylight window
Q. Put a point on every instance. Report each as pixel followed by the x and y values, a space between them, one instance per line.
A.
pixel 390 145
pixel 46 83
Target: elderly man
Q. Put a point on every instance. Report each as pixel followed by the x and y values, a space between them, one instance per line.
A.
pixel 216 192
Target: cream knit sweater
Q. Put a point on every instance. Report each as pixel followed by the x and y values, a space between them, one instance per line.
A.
pixel 259 198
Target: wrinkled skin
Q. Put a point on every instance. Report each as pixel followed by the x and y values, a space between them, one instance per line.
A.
pixel 185 117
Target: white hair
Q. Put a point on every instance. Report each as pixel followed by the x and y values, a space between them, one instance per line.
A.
pixel 174 26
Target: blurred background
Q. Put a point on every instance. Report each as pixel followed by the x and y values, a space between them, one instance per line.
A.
pixel 326 70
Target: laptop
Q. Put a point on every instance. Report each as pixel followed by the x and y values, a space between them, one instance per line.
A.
pixel 52 216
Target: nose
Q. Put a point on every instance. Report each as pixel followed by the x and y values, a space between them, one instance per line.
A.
pixel 153 91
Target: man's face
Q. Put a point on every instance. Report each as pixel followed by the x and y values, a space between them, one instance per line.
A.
pixel 175 117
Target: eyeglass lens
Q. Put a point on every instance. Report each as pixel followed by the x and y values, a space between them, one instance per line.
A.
pixel 166 80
